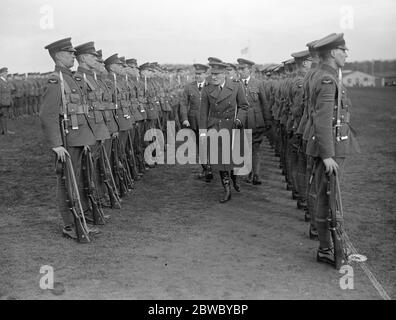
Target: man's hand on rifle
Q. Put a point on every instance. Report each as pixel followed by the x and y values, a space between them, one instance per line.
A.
pixel 331 166
pixel 61 153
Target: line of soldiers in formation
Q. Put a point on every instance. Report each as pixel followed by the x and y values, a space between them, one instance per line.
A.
pixel 21 94
pixel 95 120
pixel 302 108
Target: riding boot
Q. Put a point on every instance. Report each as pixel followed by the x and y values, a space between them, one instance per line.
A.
pixel 225 178
pixel 208 173
pixel 235 182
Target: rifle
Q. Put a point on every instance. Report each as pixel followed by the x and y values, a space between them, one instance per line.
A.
pixel 90 188
pixel 108 179
pixel 124 166
pixel 336 222
pixel 130 154
pixel 72 192
pixel 120 168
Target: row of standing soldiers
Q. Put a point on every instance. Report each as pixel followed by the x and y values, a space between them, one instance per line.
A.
pixel 302 107
pixel 311 131
pixel 97 121
pixel 20 95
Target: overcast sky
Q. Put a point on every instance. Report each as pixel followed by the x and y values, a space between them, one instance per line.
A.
pixel 180 31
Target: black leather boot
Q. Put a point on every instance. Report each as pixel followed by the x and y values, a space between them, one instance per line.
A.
pixel 235 182
pixel 208 173
pixel 225 179
pixel 256 180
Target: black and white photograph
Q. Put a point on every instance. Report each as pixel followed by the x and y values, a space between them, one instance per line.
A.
pixel 217 152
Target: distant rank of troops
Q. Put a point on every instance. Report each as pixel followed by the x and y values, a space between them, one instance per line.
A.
pixel 95 120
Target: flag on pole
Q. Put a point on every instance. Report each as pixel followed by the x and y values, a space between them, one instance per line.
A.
pixel 245 50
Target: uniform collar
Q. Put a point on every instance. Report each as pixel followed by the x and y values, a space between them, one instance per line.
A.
pixel 84 70
pixel 247 79
pixel 329 68
pixel 64 70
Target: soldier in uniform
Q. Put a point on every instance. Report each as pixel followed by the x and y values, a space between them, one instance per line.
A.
pixel 305 162
pixel 138 112
pixel 79 133
pixel 258 115
pixel 327 144
pixel 223 106
pixel 232 72
pixel 5 101
pixel 87 58
pixel 303 63
pixel 190 107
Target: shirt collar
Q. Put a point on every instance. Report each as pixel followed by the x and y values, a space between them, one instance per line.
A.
pixel 246 80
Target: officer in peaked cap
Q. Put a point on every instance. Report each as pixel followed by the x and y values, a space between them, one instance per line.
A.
pixel 328 144
pixel 306 162
pixel 132 62
pixel 223 106
pixel 302 61
pixel 5 101
pixel 78 134
pixel 258 115
pixel 100 55
pixel 190 106
pixel 214 59
pixel 232 71
pixel 88 60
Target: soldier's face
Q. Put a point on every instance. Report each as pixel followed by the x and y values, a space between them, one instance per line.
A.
pixel 244 73
pixel 133 71
pixel 118 69
pixel 340 56
pixel 200 77
pixel 232 74
pixel 218 78
pixel 307 64
pixel 66 58
pixel 91 61
pixel 100 67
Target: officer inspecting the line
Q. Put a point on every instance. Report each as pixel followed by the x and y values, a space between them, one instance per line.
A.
pixel 223 106
pixel 190 106
pixel 258 115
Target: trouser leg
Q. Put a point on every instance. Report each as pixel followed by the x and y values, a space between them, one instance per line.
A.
pixel 76 160
pixel 322 201
pixel 301 174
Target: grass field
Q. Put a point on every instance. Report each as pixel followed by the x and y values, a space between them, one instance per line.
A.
pixel 173 240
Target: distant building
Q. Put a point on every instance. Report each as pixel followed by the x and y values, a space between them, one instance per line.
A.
pixel 361 79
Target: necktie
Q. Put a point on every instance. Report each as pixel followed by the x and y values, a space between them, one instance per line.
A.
pixel 200 87
pixel 246 82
